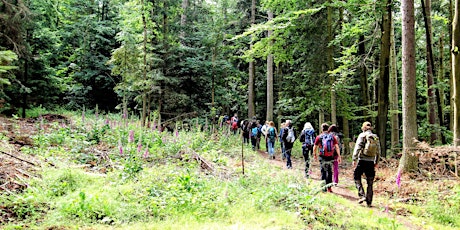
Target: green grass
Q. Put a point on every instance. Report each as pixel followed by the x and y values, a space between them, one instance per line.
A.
pixel 167 189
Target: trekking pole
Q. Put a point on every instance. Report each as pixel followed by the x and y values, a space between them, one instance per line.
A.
pixel 242 152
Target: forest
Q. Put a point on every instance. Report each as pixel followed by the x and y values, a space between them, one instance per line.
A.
pixel 85 87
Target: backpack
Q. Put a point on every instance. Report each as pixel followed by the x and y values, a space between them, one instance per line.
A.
pixel 235 125
pixel 290 136
pixel 309 137
pixel 254 131
pixel 271 134
pixel 327 145
pixel 371 145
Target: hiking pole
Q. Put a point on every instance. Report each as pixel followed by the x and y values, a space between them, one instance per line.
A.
pixel 242 152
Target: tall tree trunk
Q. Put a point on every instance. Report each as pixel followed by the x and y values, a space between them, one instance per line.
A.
pixel 409 162
pixel 251 82
pixel 440 98
pixel 330 63
pixel 426 10
pixel 394 94
pixel 456 72
pixel 346 135
pixel 364 84
pixel 183 19
pixel 451 102
pixel 144 71
pixel 384 79
pixel 270 77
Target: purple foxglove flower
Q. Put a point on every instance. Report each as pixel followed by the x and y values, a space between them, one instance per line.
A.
pixel 131 136
pixel 120 148
pixel 146 153
pixel 177 133
pixel 398 179
pixel 139 147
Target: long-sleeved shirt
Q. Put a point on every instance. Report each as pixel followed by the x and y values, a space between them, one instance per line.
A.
pixel 359 147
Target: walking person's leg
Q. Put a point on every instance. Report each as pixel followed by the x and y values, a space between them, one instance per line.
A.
pixel 336 172
pixel 306 157
pixel 288 157
pixel 357 177
pixel 370 175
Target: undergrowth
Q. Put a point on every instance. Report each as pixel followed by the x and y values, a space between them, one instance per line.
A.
pixel 107 172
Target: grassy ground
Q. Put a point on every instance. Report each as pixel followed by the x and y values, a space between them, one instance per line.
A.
pixel 108 173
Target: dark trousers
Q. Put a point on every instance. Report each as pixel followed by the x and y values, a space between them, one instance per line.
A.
pixel 367 168
pixel 288 151
pixel 254 143
pixel 326 171
pixel 307 152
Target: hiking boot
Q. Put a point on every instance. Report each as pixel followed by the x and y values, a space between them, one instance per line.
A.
pixel 369 205
pixel 329 189
pixel 273 157
pixel 361 200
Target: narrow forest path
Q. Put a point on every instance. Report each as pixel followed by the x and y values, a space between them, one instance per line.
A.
pixel 343 188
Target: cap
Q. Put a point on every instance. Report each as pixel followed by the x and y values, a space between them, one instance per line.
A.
pixel 366 125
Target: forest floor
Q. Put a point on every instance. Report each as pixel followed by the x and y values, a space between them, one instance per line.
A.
pixel 386 191
pixel 437 172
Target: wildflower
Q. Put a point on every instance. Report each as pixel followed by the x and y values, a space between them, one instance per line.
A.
pixel 146 153
pixel 398 179
pixel 120 148
pixel 177 133
pixel 139 147
pixel 131 136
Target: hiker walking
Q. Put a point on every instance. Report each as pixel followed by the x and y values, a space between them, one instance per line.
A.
pixel 335 131
pixel 245 128
pixel 264 130
pixel 307 138
pixel 280 137
pixel 255 135
pixel 289 137
pixel 367 153
pixel 234 123
pixel 325 144
pixel 271 138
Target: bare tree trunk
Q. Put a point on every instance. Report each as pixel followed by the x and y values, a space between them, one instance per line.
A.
pixel 426 10
pixel 456 72
pixel 394 92
pixel 270 77
pixel 346 135
pixel 363 77
pixel 440 98
pixel 330 61
pixel 183 19
pixel 409 162
pixel 451 102
pixel 251 83
pixel 384 79
pixel 144 72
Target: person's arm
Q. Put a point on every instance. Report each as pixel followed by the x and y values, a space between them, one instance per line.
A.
pixel 337 150
pixel 359 142
pixel 377 157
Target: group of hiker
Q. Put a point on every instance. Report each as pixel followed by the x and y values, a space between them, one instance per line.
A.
pixel 325 147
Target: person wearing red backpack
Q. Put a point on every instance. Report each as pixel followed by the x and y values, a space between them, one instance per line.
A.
pixel 325 144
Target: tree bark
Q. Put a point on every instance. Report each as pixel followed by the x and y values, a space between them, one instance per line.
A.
pixel 384 78
pixel 456 73
pixel 251 82
pixel 394 92
pixel 409 162
pixel 426 10
pixel 363 76
pixel 144 71
pixel 270 77
pixel 330 61
pixel 183 19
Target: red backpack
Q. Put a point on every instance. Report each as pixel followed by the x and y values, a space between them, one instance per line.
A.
pixel 327 145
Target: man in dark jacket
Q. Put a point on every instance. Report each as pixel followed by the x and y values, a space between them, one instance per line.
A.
pixel 289 137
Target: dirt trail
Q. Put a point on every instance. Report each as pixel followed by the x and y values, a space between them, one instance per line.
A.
pixel 342 189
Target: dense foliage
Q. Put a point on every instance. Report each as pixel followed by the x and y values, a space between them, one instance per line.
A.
pixel 177 57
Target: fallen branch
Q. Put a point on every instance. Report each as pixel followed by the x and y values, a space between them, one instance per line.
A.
pixel 13 156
